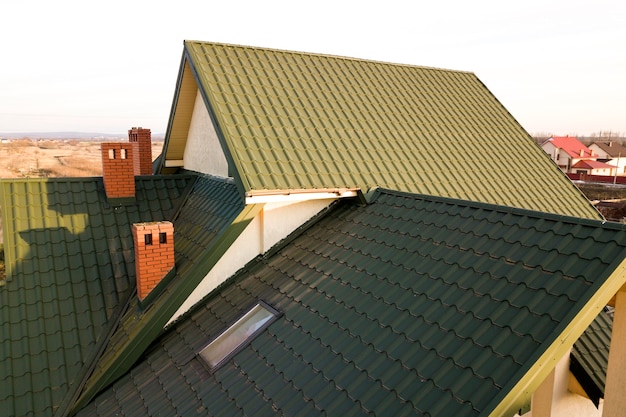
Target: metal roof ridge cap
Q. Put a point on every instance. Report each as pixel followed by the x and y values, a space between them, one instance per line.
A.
pixel 324 55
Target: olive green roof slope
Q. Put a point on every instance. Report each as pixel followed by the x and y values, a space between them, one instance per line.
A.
pixel 295 121
pixel 70 270
pixel 410 305
pixel 210 219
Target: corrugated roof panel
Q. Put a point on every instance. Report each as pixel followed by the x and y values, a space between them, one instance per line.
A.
pixel 357 123
pixel 590 356
pixel 374 321
pixel 211 214
pixel 67 274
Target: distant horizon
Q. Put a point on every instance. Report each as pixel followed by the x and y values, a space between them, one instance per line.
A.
pixel 75 134
pixel 557 67
pixel 69 134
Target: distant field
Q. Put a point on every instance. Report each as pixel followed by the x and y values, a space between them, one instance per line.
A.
pixel 25 158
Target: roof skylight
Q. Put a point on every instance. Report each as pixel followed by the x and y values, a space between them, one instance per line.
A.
pixel 237 336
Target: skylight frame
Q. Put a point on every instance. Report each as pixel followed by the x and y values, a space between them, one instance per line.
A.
pixel 221 349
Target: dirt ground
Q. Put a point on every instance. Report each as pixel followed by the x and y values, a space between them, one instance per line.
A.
pixel 26 158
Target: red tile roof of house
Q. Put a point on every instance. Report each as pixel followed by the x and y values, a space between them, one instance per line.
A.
pixel 589 164
pixel 572 146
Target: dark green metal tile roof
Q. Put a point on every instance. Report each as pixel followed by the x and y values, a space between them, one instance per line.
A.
pixel 387 309
pixel 301 121
pixel 208 220
pixel 70 268
pixel 590 356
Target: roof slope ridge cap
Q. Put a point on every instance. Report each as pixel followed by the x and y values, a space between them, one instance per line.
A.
pixel 324 55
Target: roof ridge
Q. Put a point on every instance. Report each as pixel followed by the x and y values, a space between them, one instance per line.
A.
pixel 326 55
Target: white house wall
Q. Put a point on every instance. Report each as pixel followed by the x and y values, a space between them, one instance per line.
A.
pixel 601 154
pixel 203 152
pixel 559 156
pixel 620 163
pixel 549 148
pixel 280 219
pixel 273 223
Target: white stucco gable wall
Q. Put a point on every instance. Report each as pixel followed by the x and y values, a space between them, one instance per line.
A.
pixel 203 152
pixel 598 151
pixel 273 223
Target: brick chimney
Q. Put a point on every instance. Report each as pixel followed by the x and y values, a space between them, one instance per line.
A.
pixel 117 170
pixel 154 254
pixel 143 141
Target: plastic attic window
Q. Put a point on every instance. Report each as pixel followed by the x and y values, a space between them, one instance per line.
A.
pixel 238 335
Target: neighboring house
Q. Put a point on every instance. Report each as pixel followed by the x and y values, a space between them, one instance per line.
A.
pixel 590 167
pixel 567 151
pixel 382 300
pixel 611 153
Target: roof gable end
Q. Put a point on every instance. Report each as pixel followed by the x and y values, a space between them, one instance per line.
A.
pixel 292 122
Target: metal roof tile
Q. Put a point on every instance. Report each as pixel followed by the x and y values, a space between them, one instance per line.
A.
pixel 63 292
pixel 589 356
pixel 360 333
pixel 339 122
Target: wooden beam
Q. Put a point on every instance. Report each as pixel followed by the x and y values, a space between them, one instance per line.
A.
pixel 543 398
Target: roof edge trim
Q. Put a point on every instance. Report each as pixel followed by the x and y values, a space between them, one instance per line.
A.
pixel 187 42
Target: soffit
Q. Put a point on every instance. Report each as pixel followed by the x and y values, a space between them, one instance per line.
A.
pixel 182 110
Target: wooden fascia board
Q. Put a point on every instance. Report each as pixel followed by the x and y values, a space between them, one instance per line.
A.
pixel 163 309
pixel 521 393
pixel 170 121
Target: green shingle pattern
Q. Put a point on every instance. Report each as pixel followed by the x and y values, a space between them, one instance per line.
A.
pixel 410 305
pixel 70 269
pixel 590 356
pixel 301 121
pixel 206 223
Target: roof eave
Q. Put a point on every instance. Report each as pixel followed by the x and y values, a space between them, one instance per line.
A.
pixel 272 196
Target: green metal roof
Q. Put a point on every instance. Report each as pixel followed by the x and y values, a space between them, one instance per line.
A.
pixel 210 219
pixel 300 121
pixel 410 305
pixel 590 356
pixel 70 271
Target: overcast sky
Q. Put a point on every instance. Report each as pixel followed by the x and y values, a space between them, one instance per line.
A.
pixel 558 66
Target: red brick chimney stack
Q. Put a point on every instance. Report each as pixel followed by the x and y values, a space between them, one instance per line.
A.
pixel 117 170
pixel 154 254
pixel 143 140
